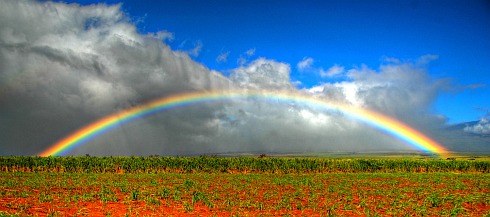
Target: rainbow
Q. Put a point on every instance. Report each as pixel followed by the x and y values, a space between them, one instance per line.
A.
pixel 389 125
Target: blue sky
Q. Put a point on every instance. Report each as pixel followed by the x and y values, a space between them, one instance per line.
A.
pixel 344 33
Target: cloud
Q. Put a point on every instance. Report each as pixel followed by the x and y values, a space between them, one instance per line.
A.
pixel 163 35
pixel 333 71
pixel 245 56
pixel 223 58
pixel 241 60
pixel 426 59
pixel 72 65
pixel 456 88
pixel 263 74
pixel 480 128
pixel 196 50
pixel 404 91
pixel 250 52
pixel 305 64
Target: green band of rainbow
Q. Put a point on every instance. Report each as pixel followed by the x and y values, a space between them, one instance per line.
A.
pixel 391 126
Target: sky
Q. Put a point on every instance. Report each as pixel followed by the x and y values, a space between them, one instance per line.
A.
pixel 65 64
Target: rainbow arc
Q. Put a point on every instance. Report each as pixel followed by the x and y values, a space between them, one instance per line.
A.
pixel 382 122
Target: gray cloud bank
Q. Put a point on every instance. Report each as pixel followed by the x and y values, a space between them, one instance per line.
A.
pixel 63 66
pixel 480 128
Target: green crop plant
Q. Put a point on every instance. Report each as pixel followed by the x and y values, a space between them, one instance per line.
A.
pixel 164 193
pixel 434 200
pixel 152 201
pixel 188 184
pixel 44 197
pixel 135 194
pixel 177 195
pixel 242 164
pixel 188 207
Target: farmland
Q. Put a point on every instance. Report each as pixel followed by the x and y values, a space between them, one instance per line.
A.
pixel 214 186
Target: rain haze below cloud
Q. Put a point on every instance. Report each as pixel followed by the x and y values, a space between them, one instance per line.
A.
pixel 64 66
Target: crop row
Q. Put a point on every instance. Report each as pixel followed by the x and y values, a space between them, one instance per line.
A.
pixel 171 194
pixel 205 164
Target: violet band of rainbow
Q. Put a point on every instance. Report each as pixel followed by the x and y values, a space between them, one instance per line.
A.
pixel 389 125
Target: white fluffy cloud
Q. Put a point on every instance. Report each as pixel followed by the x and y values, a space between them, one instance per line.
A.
pixel 402 90
pixel 480 128
pixel 263 74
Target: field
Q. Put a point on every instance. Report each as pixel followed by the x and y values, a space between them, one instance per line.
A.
pixel 244 186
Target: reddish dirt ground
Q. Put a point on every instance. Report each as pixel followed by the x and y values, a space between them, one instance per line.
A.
pixel 254 195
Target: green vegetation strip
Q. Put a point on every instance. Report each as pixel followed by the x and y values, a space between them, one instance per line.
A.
pixel 204 164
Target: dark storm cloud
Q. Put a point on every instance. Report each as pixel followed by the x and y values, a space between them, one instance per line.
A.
pixel 67 65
